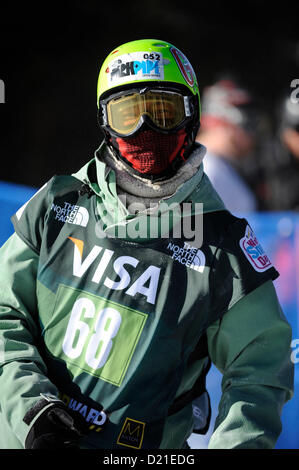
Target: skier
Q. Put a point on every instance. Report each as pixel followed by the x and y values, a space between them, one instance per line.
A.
pixel 113 309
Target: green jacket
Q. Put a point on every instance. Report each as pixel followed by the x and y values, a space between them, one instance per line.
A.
pixel 104 319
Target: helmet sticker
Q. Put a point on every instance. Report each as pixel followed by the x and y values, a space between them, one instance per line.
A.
pixel 135 66
pixel 184 66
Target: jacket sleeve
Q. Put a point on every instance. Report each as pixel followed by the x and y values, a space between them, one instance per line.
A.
pixel 23 374
pixel 250 346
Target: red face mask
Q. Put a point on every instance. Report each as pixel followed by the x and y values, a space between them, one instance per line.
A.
pixel 151 152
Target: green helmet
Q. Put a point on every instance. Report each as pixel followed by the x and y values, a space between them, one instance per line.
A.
pixel 146 60
pixel 155 70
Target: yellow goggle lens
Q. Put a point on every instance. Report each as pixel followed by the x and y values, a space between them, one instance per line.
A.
pixel 165 109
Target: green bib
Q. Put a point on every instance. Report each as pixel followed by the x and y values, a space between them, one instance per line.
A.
pixel 121 319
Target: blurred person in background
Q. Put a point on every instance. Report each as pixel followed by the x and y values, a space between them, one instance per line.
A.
pixel 282 163
pixel 228 132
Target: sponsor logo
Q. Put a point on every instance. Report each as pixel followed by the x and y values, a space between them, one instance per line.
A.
pixel 71 214
pixel 141 65
pixel 188 256
pixel 146 284
pixel 94 418
pixel 254 251
pixel 131 434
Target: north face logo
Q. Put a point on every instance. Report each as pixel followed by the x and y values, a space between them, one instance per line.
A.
pixel 188 255
pixel 71 214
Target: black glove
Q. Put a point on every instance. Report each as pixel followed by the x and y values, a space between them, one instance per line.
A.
pixel 56 428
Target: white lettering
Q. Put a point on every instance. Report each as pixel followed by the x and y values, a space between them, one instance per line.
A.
pixel 188 256
pixel 170 246
pixel 79 267
pixel 102 265
pixel 121 272
pixel 151 275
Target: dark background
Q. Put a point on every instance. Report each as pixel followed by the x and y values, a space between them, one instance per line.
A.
pixel 50 55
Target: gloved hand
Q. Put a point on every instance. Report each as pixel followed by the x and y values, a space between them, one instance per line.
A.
pixel 56 428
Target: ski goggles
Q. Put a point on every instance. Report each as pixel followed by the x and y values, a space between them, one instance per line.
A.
pixel 125 113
